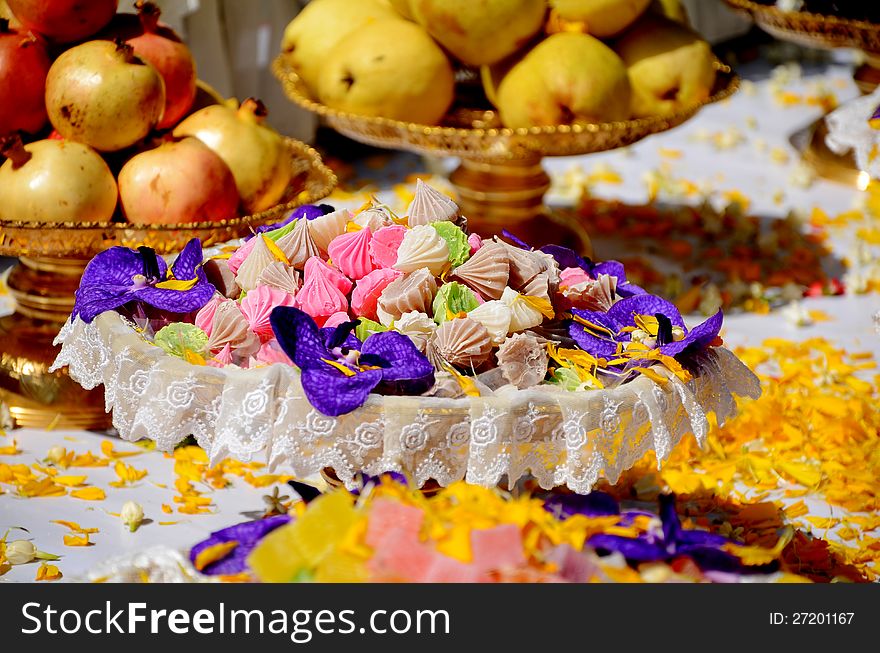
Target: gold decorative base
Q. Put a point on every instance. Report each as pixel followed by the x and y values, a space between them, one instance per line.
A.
pixel 498 195
pixel 43 291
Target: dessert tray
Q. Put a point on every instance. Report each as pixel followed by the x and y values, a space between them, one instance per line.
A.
pixel 446 411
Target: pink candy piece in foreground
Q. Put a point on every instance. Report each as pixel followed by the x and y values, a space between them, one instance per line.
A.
pixel 317 266
pixel 572 276
pixel 366 292
pixel 350 252
pixel 239 255
pixel 222 358
pixel 205 317
pixel 385 243
pixel 320 298
pixel 336 319
pixel 475 243
pixel 257 308
pixel 497 548
pixel 271 352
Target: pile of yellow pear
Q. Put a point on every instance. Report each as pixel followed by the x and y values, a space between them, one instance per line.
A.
pixel 541 62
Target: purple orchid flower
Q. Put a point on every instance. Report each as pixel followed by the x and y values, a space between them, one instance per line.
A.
pixel 121 275
pixel 339 372
pixel 568 258
pixel 704 548
pixel 594 504
pixel 247 534
pixel 307 211
pixel 604 335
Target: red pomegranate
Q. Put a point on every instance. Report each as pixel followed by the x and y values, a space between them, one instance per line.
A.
pixel 160 46
pixel 64 21
pixel 177 182
pixel 24 65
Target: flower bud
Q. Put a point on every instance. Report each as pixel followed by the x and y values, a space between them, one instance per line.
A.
pixel 56 454
pixel 132 515
pixel 20 552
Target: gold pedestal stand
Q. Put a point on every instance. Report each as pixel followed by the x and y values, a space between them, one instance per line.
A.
pixel 500 182
pixel 52 257
pixel 820 31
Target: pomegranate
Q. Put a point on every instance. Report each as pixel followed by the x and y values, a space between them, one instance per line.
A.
pixel 256 154
pixel 182 181
pixel 24 65
pixel 55 181
pixel 64 21
pixel 160 46
pixel 101 94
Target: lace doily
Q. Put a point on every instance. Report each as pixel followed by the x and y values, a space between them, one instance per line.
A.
pixel 848 129
pixel 559 437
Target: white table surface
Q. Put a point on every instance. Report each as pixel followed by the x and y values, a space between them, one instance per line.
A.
pixel 752 112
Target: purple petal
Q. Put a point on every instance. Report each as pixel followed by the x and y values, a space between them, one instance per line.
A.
pixel 248 535
pixel 624 310
pixel 116 267
pixel 516 241
pixel 404 358
pixel 177 301
pixel 299 336
pixel 93 300
pixel 367 479
pixel 598 347
pixel 594 504
pixel 612 269
pixel 669 517
pixel 712 559
pixel 188 261
pixel 567 258
pixel 333 393
pixel 341 336
pixel 698 338
pixel 638 549
pixel 629 289
pixel 308 211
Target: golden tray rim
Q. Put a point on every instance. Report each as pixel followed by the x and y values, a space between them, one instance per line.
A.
pixel 811 29
pixel 494 143
pixel 312 181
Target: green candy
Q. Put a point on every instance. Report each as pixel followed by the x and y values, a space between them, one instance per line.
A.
pixel 456 240
pixel 367 328
pixel 453 298
pixel 566 378
pixel 180 338
pixel 277 234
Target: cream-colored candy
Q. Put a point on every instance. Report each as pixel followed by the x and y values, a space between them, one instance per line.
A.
pixel 417 326
pixel 523 315
pixel 326 227
pixel 422 247
pixel 430 205
pixel 495 316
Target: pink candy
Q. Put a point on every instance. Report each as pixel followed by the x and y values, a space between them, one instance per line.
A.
pixel 239 255
pixel 222 358
pixel 205 317
pixel 257 308
pixel 316 266
pixel 384 245
pixel 475 242
pixel 366 292
pixel 572 276
pixel 350 252
pixel 336 319
pixel 271 352
pixel 319 297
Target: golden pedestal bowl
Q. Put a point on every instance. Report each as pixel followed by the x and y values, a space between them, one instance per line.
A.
pixel 500 181
pixel 825 32
pixel 52 257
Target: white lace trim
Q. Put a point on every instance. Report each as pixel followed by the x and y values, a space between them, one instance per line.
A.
pixel 560 438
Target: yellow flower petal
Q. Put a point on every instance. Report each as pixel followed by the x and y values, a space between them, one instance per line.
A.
pixel 89 494
pixel 213 553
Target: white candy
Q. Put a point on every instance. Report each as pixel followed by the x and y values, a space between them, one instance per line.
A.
pixel 524 315
pixel 496 317
pixel 422 247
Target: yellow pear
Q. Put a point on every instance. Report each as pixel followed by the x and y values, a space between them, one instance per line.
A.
pixel 567 78
pixel 389 68
pixel 318 28
pixel 670 66
pixel 402 7
pixel 603 18
pixel 480 32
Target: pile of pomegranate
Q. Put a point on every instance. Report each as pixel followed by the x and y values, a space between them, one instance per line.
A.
pixel 100 121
